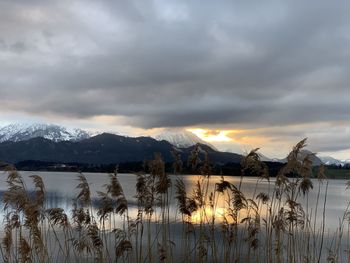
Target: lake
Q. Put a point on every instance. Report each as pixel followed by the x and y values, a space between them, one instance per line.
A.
pixel 61 191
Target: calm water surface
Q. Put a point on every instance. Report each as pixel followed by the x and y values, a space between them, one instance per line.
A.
pixel 61 190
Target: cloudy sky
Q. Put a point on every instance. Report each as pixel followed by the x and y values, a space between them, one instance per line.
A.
pixel 240 74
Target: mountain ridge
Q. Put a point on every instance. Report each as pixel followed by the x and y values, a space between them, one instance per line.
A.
pixel 181 138
pixel 101 149
pixel 21 132
pixel 177 138
pixel 328 160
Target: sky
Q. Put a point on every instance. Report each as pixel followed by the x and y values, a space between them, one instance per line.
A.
pixel 240 74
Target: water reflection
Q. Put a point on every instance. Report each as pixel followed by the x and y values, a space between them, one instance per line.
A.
pixel 61 191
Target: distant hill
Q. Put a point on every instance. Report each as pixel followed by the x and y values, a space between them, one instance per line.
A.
pixel 303 153
pixel 264 158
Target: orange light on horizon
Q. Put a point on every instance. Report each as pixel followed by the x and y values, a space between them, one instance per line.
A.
pixel 244 138
pixel 214 135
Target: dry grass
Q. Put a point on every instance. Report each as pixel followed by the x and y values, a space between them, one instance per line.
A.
pixel 272 226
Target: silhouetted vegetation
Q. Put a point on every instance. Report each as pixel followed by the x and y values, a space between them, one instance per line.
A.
pixel 219 224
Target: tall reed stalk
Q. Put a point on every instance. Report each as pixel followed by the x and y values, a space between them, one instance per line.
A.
pixel 212 222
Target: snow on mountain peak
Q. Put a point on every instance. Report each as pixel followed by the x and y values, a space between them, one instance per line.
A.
pixel 328 160
pixel 21 132
pixel 181 138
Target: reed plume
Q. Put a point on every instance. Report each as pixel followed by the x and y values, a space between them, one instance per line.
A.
pixel 218 222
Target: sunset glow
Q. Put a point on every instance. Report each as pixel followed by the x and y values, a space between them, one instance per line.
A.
pixel 213 136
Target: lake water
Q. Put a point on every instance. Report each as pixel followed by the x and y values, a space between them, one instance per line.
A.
pixel 61 190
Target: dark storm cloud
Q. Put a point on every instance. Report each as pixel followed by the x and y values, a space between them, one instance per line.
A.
pixel 177 63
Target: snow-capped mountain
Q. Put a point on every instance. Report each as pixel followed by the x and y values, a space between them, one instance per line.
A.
pixel 330 160
pixel 181 138
pixel 22 132
pixel 327 160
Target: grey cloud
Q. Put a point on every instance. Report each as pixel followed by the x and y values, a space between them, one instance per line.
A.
pixel 177 63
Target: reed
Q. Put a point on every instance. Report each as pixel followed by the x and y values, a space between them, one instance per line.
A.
pixel 209 224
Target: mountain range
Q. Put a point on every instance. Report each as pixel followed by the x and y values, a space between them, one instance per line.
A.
pixel 101 149
pixel 49 142
pixel 22 132
pixel 328 160
pixel 317 160
pixel 303 153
